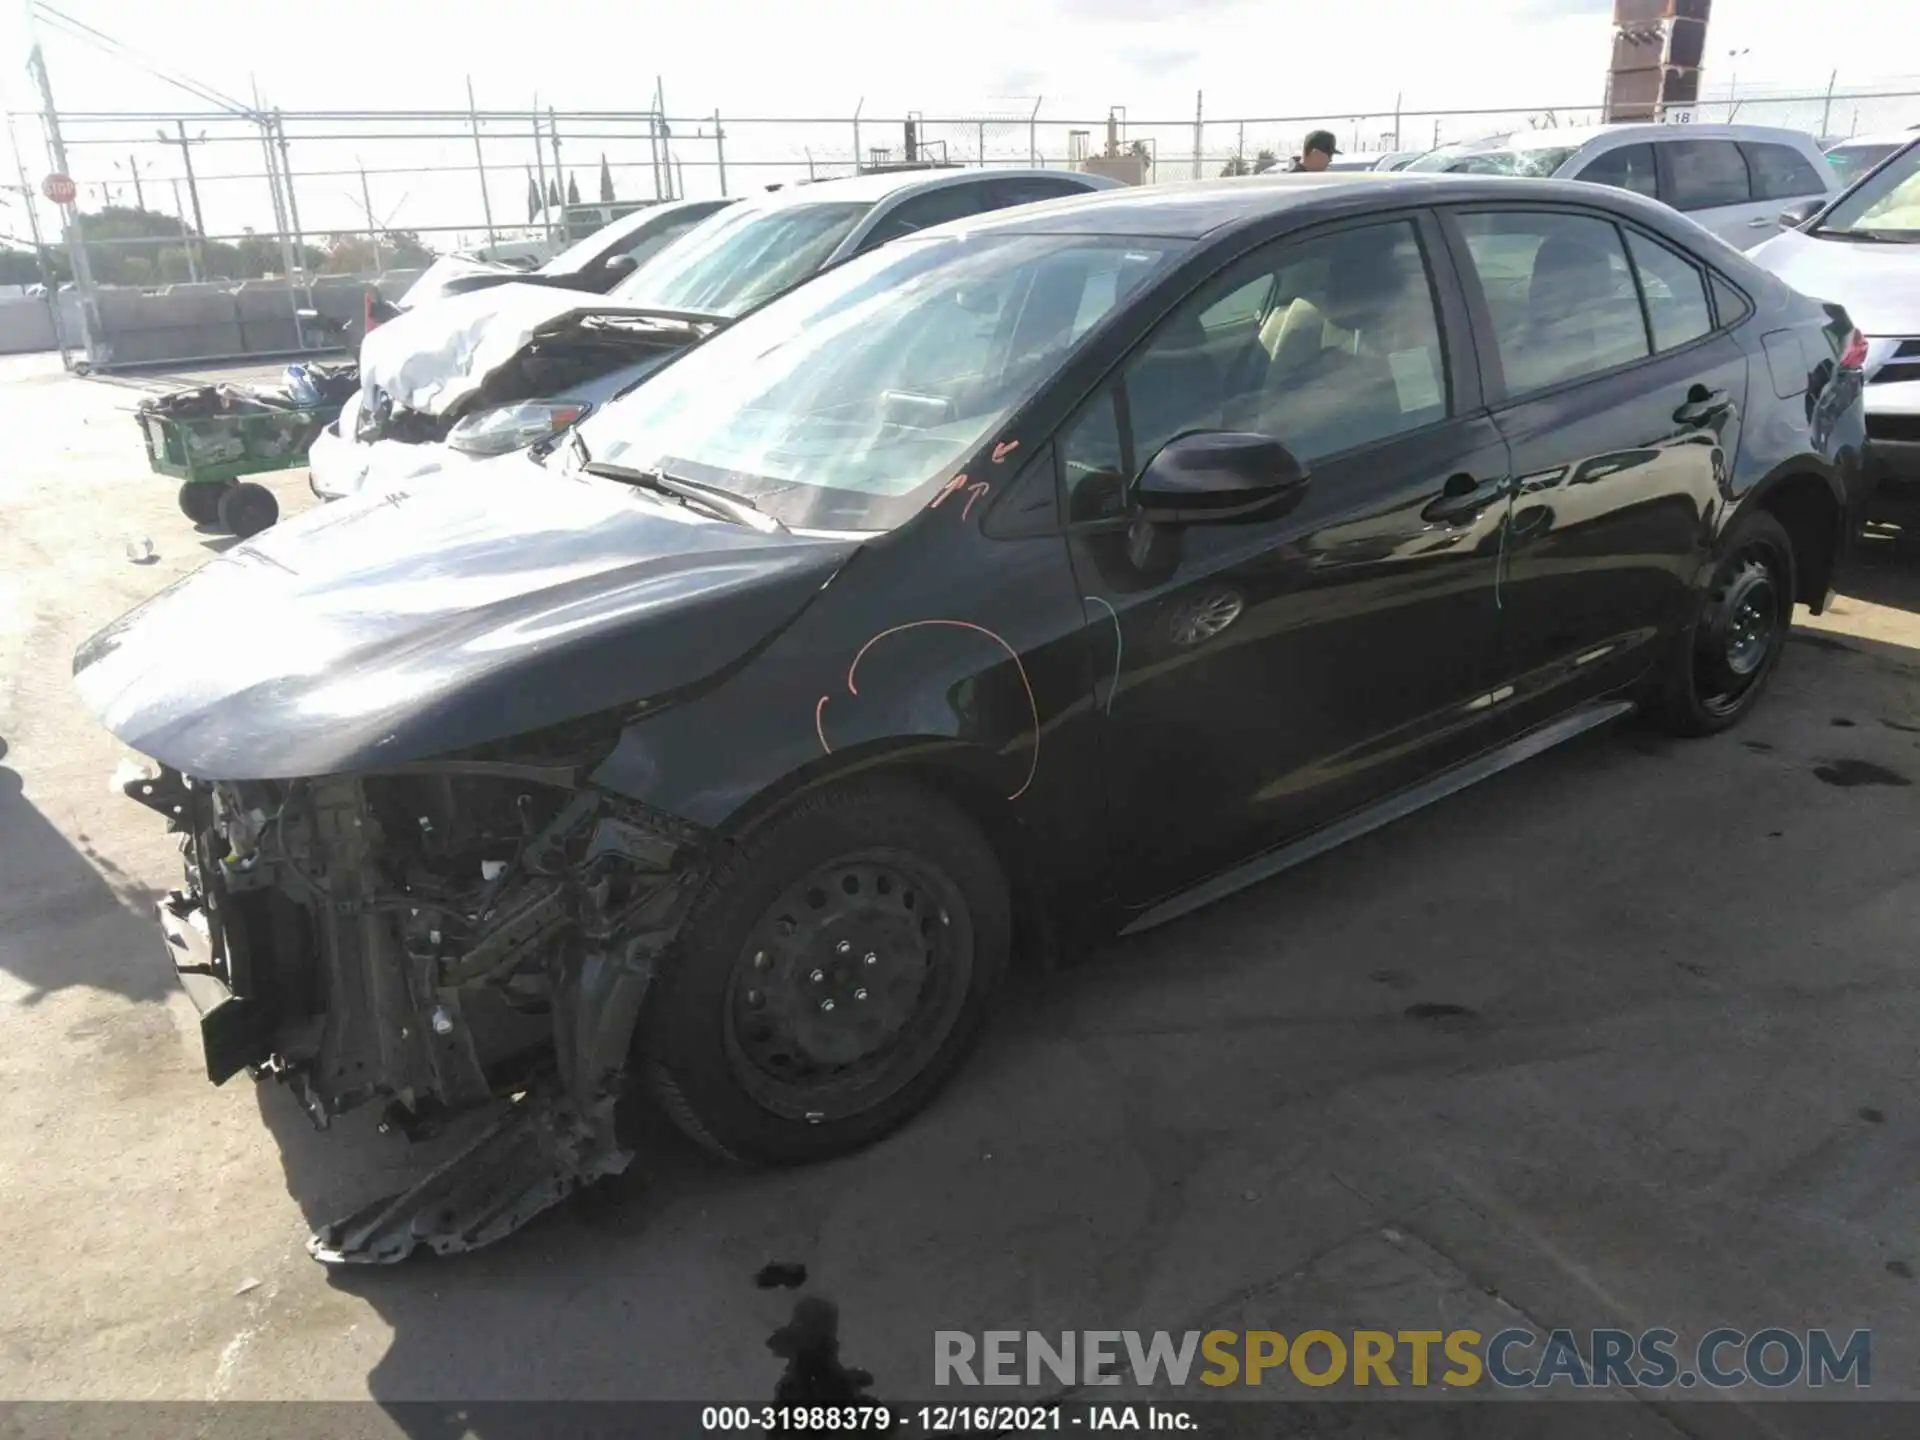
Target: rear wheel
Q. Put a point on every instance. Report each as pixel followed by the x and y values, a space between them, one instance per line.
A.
pixel 832 974
pixel 200 500
pixel 1715 673
pixel 247 509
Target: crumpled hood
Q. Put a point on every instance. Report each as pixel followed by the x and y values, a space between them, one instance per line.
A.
pixel 399 626
pixel 1878 284
pixel 434 358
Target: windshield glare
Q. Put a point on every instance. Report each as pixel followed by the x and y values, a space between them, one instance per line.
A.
pixel 841 406
pixel 1887 203
pixel 1534 161
pixel 742 256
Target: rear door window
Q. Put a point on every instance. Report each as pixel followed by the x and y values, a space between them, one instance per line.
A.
pixel 1628 168
pixel 1560 292
pixel 1675 289
pixel 932 207
pixel 1706 174
pixel 1027 189
pixel 1781 173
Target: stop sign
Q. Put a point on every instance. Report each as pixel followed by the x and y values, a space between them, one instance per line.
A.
pixel 60 189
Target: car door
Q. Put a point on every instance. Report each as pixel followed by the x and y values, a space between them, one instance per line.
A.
pixel 1781 175
pixel 1708 181
pixel 1260 678
pixel 1621 401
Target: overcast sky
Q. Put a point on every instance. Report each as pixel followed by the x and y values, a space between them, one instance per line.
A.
pixel 1251 58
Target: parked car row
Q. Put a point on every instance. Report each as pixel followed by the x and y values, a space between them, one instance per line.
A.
pixel 481 374
pixel 701 691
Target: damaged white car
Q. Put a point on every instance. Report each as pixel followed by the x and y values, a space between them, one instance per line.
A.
pixel 490 373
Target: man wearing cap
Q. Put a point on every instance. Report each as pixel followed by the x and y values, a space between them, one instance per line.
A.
pixel 1315 153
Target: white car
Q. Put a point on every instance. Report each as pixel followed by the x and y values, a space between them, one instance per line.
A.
pixel 1730 179
pixel 478 375
pixel 1863 252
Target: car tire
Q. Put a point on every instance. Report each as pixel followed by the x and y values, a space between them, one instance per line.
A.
pixel 1718 666
pixel 831 974
pixel 200 500
pixel 247 509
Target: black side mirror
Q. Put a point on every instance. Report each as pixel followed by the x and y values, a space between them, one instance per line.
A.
pixel 621 264
pixel 1217 476
pixel 1800 212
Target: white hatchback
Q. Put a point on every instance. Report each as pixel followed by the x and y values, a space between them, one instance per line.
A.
pixel 1731 179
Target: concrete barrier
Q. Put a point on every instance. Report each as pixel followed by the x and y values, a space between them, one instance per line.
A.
pixel 26 326
pixel 192 321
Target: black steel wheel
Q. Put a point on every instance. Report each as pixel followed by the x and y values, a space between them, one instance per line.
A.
pixel 849 984
pixel 1716 675
pixel 200 500
pixel 247 509
pixel 830 976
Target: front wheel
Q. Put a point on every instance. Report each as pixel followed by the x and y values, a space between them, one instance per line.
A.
pixel 1717 669
pixel 833 972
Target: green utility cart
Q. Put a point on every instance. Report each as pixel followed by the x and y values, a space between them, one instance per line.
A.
pixel 209 437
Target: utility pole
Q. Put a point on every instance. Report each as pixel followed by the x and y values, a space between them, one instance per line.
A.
pixel 479 159
pixel 193 266
pixel 286 175
pixel 540 165
pixel 856 133
pixel 193 189
pixel 559 177
pixel 720 151
pixel 82 270
pixel 366 203
pixel 139 196
pixel 1199 130
pixel 1826 110
pixel 47 277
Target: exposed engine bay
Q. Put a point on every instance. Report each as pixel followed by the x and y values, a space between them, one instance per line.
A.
pixel 439 939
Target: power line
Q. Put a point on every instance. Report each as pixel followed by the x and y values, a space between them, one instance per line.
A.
pixel 80 30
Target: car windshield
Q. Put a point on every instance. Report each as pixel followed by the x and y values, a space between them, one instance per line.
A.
pixel 1533 161
pixel 842 405
pixel 1883 206
pixel 742 256
pixel 1850 162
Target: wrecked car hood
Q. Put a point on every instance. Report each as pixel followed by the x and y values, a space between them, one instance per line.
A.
pixel 402 625
pixel 435 358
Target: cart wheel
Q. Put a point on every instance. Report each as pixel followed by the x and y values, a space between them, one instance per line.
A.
pixel 200 500
pixel 247 509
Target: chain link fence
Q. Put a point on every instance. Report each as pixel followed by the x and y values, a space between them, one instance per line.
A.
pixel 218 197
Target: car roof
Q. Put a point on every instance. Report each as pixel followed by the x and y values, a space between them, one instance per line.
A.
pixel 1190 210
pixel 1574 136
pixel 891 184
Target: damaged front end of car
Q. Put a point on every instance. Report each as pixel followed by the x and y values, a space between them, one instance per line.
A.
pixel 437 939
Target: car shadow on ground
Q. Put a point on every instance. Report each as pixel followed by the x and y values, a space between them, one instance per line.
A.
pixel 70 916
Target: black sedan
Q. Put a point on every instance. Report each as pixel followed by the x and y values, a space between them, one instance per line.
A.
pixel 1046 575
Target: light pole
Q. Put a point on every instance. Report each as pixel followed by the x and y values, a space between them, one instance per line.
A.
pixel 1733 79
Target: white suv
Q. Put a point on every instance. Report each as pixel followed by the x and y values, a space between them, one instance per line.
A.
pixel 1731 179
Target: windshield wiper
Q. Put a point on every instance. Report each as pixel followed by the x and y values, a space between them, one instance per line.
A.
pixel 1871 237
pixel 724 503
